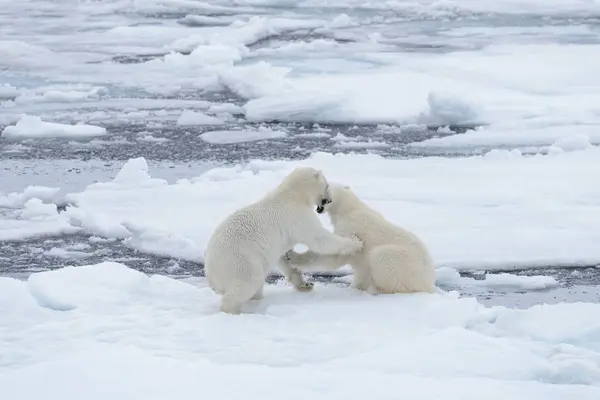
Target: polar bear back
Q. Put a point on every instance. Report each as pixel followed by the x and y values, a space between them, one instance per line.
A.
pixel 262 230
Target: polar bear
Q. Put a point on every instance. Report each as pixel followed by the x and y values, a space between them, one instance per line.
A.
pixel 248 243
pixel 393 260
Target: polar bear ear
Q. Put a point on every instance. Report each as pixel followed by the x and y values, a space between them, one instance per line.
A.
pixel 318 174
pixel 346 187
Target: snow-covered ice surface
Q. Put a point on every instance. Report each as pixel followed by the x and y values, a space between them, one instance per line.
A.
pixel 541 210
pixel 105 330
pixel 130 128
pixel 502 210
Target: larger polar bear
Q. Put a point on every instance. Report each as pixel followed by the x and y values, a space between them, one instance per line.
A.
pixel 393 260
pixel 248 243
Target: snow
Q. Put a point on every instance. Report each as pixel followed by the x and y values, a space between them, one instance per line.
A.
pixel 33 127
pixel 230 137
pixel 105 330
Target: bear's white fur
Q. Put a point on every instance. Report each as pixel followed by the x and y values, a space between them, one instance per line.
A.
pixel 247 244
pixel 393 260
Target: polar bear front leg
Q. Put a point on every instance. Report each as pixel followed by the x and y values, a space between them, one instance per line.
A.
pixel 311 259
pixel 294 276
pixel 320 240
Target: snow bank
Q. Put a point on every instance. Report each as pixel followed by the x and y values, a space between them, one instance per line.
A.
pixel 33 127
pixel 104 330
pixel 229 137
pixel 473 213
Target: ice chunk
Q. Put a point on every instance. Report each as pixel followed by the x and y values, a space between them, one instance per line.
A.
pixel 450 276
pixel 573 142
pixel 59 94
pixel 202 20
pixel 447 109
pixel 501 154
pixel 30 126
pixel 36 209
pixel 18 200
pixel 229 137
pixel 227 108
pixel 67 254
pixel 134 171
pixel 517 136
pixel 8 91
pixel 189 117
pixel 520 281
pixel 16 53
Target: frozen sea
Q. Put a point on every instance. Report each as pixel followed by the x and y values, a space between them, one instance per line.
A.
pixel 131 128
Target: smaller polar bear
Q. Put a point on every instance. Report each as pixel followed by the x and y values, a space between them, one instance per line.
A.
pixel 393 260
pixel 247 244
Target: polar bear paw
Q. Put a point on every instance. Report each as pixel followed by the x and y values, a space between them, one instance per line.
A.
pixel 304 286
pixel 292 258
pixel 289 256
pixel 353 245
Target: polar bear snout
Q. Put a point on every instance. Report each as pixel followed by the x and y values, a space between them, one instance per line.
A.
pixel 321 206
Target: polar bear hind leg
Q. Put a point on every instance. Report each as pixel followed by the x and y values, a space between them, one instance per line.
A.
pixel 395 269
pixel 362 279
pixel 258 295
pixel 243 288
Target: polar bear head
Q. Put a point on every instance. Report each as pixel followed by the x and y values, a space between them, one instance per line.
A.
pixel 339 195
pixel 308 185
